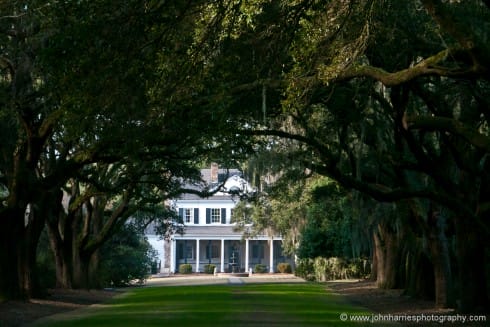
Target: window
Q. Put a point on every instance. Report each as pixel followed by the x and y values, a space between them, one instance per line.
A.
pixel 188 215
pixel 257 251
pixel 212 252
pixel 189 251
pixel 215 215
pixel 185 250
pixel 278 252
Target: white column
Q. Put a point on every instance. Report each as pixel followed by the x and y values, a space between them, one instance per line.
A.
pixel 271 255
pixel 246 255
pixel 163 256
pixel 197 255
pixel 222 269
pixel 173 252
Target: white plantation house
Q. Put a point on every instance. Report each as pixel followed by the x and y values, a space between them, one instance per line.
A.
pixel 209 235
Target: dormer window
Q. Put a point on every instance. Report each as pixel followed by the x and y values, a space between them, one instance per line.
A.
pixel 188 215
pixel 215 216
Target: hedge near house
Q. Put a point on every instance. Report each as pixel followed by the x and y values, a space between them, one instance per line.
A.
pixel 185 268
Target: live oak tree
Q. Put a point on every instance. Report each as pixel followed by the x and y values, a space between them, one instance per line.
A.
pixel 438 136
pixel 434 98
pixel 27 121
pixel 93 84
pixel 389 99
pixel 98 204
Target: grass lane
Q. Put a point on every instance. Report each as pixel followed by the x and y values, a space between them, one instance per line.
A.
pixel 274 304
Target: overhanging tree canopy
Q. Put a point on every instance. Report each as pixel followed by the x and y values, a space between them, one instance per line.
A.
pixel 88 84
pixel 389 99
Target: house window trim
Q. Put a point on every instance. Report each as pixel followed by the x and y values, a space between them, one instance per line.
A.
pixel 215 214
pixel 188 213
pixel 185 250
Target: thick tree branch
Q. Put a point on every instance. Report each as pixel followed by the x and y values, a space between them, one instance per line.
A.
pixel 118 213
pixel 450 125
pixel 427 67
pixel 386 194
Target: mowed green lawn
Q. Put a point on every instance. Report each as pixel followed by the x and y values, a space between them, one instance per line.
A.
pixel 274 304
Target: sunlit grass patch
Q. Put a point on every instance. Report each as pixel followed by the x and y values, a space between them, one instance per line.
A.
pixel 304 304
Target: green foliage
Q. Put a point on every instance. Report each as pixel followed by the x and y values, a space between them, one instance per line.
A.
pixel 255 210
pixel 304 269
pixel 358 268
pixel 260 268
pixel 328 231
pixel 185 268
pixel 209 268
pixel 363 105
pixel 126 257
pixel 322 269
pixel 329 268
pixel 284 267
pixel 110 96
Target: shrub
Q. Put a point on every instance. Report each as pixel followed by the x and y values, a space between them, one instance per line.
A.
pixel 124 258
pixel 260 268
pixel 329 268
pixel 322 269
pixel 185 268
pixel 284 267
pixel 358 268
pixel 304 269
pixel 209 269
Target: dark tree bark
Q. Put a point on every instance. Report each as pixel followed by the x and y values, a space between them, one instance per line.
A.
pixel 11 234
pixel 76 237
pixel 28 253
pixel 441 261
pixel 388 255
pixel 470 253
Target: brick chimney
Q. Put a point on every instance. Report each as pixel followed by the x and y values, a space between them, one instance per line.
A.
pixel 214 172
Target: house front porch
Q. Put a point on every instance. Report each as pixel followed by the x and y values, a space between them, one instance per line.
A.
pixel 226 254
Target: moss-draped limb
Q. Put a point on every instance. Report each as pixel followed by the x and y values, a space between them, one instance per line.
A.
pixel 430 66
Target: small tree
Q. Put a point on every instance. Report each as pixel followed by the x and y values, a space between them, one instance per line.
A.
pixel 125 257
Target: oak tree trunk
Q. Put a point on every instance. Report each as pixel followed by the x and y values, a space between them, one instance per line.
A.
pixel 62 257
pixel 27 254
pixel 82 277
pixel 10 238
pixel 419 281
pixel 439 251
pixel 470 252
pixel 387 250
